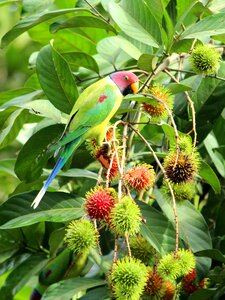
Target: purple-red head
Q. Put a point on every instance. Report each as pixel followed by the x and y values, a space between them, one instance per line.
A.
pixel 127 82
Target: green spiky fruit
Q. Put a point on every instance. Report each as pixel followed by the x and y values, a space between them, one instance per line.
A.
pixel 186 260
pixel 155 108
pixel 168 267
pixel 125 217
pixel 128 278
pixel 182 191
pixel 142 250
pixel 205 59
pixel 81 236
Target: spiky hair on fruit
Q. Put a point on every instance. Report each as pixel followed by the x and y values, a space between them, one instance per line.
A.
pixel 125 217
pixel 190 283
pixel 182 191
pixel 142 250
pixel 128 278
pixel 140 177
pixel 181 168
pixel 205 59
pixel 154 284
pixel 80 236
pixel 168 267
pixel 172 267
pixel 153 107
pixel 105 155
pixel 169 290
pixel 99 202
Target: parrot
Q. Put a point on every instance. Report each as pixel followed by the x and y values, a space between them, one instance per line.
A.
pixel 89 117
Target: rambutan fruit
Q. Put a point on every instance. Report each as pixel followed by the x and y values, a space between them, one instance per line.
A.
pixel 186 260
pixel 181 169
pixel 128 278
pixel 142 250
pixel 99 202
pixel 140 177
pixel 154 284
pixel 80 236
pixel 205 59
pixel 182 191
pixel 190 283
pixel 125 217
pixel 153 107
pixel 168 267
pixel 169 290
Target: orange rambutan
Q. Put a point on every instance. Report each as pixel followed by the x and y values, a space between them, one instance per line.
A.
pixel 169 290
pixel 99 202
pixel 155 108
pixel 154 284
pixel 140 177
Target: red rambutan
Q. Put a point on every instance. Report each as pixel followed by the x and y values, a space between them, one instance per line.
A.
pixel 190 283
pixel 99 202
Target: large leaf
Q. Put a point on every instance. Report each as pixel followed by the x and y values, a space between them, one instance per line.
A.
pixel 34 155
pixel 81 59
pixel 20 275
pixel 65 289
pixel 209 26
pixel 82 21
pixel 192 226
pixel 99 293
pixel 13 97
pixel 129 25
pixel 56 79
pixel 212 253
pixel 207 173
pixel 33 20
pixel 55 207
pixel 157 230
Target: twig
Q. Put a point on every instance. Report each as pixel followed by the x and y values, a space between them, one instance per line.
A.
pixel 97 233
pixel 194 73
pixel 128 245
pixel 96 12
pixel 191 104
pixel 169 185
pixel 115 249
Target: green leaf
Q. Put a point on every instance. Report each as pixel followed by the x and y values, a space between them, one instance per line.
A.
pixel 157 230
pixel 5 2
pixel 203 294
pixel 215 254
pixel 192 226
pixel 81 59
pixel 207 173
pixel 20 275
pixel 34 154
pixel 66 289
pixel 129 25
pixel 56 79
pixel 79 173
pixel 177 88
pixel 12 125
pixel 17 95
pixel 209 26
pixel 33 20
pixel 13 262
pixel 82 21
pixel 100 293
pixel 147 62
pixel 55 207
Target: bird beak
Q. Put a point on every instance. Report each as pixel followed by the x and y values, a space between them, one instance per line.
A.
pixel 134 87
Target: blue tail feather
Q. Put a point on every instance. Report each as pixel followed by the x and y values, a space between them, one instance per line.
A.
pixel 69 149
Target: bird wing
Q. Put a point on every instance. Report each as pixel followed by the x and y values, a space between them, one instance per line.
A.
pixel 94 106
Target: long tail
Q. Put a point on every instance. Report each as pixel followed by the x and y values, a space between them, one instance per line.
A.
pixel 69 149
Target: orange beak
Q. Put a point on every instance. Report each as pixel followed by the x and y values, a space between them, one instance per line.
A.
pixel 134 86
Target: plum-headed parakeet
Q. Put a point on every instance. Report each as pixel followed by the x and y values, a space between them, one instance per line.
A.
pixel 90 115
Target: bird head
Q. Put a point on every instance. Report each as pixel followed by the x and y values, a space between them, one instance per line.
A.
pixel 127 82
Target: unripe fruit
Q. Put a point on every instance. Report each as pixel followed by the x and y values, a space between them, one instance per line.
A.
pixel 141 177
pixel 81 236
pixel 205 59
pixel 125 217
pixel 128 278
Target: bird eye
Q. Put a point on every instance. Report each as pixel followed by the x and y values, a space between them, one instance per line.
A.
pixel 125 77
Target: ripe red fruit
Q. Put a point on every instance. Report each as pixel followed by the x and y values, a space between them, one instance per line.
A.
pixel 140 177
pixel 99 202
pixel 190 284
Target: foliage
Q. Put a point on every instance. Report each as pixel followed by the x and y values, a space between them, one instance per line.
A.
pixel 51 51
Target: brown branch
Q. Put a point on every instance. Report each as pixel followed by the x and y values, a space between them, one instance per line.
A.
pixel 169 185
